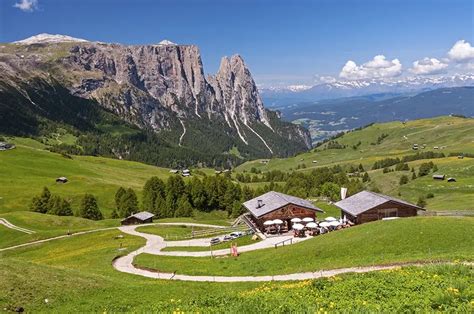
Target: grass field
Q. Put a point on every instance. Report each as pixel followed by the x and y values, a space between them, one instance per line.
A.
pixel 46 226
pixel 76 275
pixel 245 240
pixel 457 195
pixel 457 134
pixel 179 232
pixel 382 242
pixel 28 168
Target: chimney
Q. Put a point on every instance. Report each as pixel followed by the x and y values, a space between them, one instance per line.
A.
pixel 259 203
pixel 343 193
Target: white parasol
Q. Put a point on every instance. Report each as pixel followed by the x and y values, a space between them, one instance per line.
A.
pixel 334 223
pixel 277 222
pixel 330 219
pixel 324 224
pixel 298 227
pixel 268 223
pixel 308 219
pixel 295 219
pixel 312 225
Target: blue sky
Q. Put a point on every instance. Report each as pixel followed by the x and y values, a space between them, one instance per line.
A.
pixel 283 42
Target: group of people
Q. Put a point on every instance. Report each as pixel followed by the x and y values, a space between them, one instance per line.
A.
pixel 322 227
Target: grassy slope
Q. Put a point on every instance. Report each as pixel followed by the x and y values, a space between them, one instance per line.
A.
pixel 26 169
pixel 383 242
pixel 457 195
pixel 245 240
pixel 76 275
pixel 46 226
pixel 175 232
pixel 457 134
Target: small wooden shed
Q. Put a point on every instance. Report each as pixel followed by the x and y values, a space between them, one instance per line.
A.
pixel 368 206
pixel 61 180
pixel 138 218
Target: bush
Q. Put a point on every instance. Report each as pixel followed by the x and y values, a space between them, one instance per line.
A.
pixel 421 202
pixel 429 195
pixel 403 180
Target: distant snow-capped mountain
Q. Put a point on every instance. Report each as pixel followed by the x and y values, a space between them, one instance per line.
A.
pixel 48 38
pixel 343 88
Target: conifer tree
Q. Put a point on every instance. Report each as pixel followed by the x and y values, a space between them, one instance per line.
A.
pixel 89 208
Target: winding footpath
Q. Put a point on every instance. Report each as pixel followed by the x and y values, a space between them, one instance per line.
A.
pixel 9 225
pixel 154 245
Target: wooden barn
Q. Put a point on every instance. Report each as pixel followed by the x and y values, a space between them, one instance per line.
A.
pixel 368 206
pixel 138 218
pixel 274 205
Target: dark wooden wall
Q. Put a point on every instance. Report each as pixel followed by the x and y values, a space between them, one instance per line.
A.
pixel 377 213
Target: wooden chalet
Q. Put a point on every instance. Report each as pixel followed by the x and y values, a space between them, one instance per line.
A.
pixel 368 206
pixel 138 218
pixel 275 205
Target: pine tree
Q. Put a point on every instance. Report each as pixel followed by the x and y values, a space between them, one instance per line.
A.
pixel 153 190
pixel 54 205
pixel 89 208
pixel 128 203
pixel 65 208
pixel 118 199
pixel 184 208
pixel 365 177
pixel 41 203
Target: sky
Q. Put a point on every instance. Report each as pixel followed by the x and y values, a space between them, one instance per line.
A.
pixel 282 42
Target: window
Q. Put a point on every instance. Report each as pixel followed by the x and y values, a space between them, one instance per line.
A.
pixel 388 212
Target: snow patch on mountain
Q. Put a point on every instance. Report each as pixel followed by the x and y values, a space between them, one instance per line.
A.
pixel 48 38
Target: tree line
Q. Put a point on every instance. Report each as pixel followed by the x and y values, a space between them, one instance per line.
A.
pixel 47 203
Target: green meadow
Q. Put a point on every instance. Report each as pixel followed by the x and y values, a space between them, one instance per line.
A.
pixel 76 275
pixel 418 239
pixel 28 168
pixel 452 133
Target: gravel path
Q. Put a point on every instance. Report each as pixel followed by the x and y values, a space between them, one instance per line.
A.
pixel 155 244
pixel 8 224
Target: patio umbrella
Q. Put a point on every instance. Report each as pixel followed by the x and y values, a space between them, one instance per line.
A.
pixel 295 219
pixel 330 219
pixel 308 219
pixel 324 224
pixel 268 223
pixel 334 223
pixel 277 222
pixel 298 227
pixel 312 225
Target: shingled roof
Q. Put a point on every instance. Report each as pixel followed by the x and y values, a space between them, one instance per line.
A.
pixel 272 201
pixel 365 200
pixel 142 215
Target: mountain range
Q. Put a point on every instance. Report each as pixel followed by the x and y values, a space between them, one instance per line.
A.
pixel 278 96
pixel 325 118
pixel 147 102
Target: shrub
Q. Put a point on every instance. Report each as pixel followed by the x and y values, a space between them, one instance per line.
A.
pixel 403 180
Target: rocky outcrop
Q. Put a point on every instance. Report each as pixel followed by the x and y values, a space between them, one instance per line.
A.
pixel 149 84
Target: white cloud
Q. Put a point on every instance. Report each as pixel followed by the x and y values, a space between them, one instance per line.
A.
pixel 378 67
pixel 318 79
pixel 462 51
pixel 27 5
pixel 428 66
